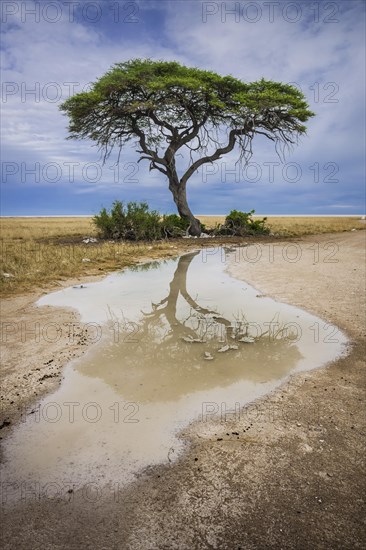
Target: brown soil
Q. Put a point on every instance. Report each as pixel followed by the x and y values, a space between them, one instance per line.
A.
pixel 286 472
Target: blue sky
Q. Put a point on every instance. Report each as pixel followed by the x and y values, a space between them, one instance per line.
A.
pixel 53 49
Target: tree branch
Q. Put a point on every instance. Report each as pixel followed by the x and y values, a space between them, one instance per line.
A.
pixel 142 140
pixel 215 156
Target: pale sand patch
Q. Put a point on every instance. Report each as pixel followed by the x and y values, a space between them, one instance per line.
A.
pixel 324 274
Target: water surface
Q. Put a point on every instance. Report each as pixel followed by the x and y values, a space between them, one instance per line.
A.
pixel 177 337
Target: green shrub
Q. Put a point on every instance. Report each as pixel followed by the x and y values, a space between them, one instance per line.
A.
pixel 173 225
pixel 242 223
pixel 132 222
pixel 104 223
pixel 135 222
pixel 142 223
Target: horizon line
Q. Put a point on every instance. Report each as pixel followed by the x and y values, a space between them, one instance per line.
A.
pixel 205 215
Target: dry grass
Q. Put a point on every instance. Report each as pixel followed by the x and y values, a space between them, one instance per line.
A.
pixel 297 226
pixel 29 229
pixel 38 252
pixel 309 226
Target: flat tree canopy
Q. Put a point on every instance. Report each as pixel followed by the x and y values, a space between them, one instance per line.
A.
pixel 168 108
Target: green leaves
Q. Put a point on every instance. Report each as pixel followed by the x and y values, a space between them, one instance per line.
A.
pixel 138 86
pixel 134 221
pixel 165 106
pixel 242 223
pixel 136 78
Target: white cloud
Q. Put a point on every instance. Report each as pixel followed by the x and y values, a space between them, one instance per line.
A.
pixel 35 55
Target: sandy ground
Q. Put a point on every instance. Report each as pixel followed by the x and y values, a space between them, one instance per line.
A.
pixel 295 477
pixel 36 343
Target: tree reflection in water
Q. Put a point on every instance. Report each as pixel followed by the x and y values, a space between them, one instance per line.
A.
pixel 165 358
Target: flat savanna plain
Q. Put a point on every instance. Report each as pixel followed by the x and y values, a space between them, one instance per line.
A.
pixel 295 481
pixel 37 253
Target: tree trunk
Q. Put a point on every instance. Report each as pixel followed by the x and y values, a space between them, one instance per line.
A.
pixel 180 199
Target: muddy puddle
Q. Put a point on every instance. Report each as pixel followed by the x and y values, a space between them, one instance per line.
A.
pixel 174 340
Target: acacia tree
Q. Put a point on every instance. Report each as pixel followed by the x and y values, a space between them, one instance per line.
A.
pixel 169 109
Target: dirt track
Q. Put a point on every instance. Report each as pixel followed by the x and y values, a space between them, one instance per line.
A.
pixel 294 480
